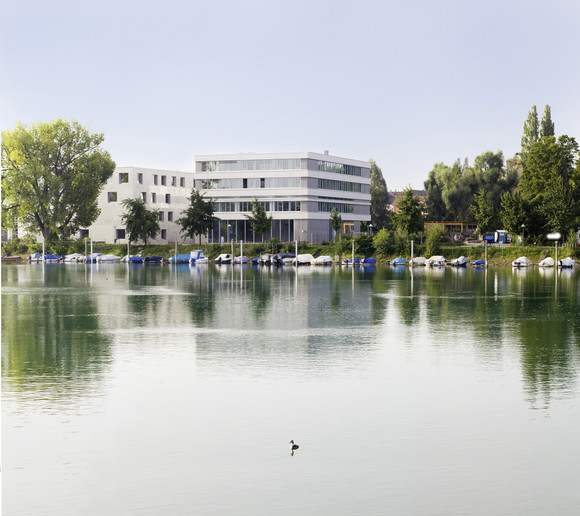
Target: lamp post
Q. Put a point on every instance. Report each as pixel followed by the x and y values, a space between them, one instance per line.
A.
pixel 371 229
pixel 523 233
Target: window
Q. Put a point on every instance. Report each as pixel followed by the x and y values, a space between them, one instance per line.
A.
pixel 168 198
pixel 144 196
pixel 123 177
pixel 140 178
pixel 163 180
pixel 120 234
pixel 112 197
pixel 155 179
pixel 182 182
pixel 153 197
pixel 160 216
pixel 163 234
pixel 173 181
pixel 169 216
pixel 84 233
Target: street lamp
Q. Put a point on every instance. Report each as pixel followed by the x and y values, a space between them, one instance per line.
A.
pixel 523 233
pixel 371 229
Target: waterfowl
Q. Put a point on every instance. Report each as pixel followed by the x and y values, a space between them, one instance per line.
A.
pixel 294 446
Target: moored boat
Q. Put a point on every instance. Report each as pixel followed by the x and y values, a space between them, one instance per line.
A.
pixel 547 262
pixel 303 259
pixel 436 261
pixel 241 259
pixel 180 258
pixel 197 257
pixel 478 263
pixel 419 260
pixel 10 259
pixel 368 261
pixel 322 260
pixel 522 261
pixel 462 261
pixel 108 258
pixel 224 259
pixel 566 263
pixel 399 261
pixel 349 261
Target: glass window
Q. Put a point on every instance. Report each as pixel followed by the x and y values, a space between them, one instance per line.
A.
pixel 182 182
pixel 163 234
pixel 123 177
pixel 161 216
pixel 144 196
pixel 120 234
pixel 163 180
pixel 153 197
pixel 169 216
pixel 112 197
pixel 173 181
pixel 155 179
pixel 168 198
pixel 140 178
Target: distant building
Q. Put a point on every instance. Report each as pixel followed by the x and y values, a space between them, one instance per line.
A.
pixel 396 196
pixel 298 189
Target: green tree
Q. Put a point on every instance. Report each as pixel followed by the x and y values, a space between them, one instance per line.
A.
pixel 434 235
pixel 483 213
pixel 52 174
pixel 259 220
pixel 379 197
pixel 198 217
pixel 140 223
pixel 531 132
pixel 384 242
pixel 409 219
pixel 335 221
pixel 514 212
pixel 434 186
pixel 547 126
pixel 364 245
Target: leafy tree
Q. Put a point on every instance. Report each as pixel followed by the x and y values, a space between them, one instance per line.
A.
pixel 335 221
pixel 409 219
pixel 514 212
pixel 52 174
pixel 364 245
pixel 384 242
pixel 140 223
pixel 434 186
pixel 259 220
pixel 198 217
pixel 379 197
pixel 483 213
pixel 434 235
pixel 547 126
pixel 531 132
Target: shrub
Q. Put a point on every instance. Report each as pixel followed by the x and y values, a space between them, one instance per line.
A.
pixel 433 237
pixel 274 245
pixel 364 245
pixel 384 242
pixel 14 247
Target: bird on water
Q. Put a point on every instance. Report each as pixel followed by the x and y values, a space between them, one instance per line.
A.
pixel 294 446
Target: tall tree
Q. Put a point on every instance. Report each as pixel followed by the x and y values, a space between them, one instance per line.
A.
pixel 409 219
pixel 531 132
pixel 335 221
pixel 547 126
pixel 259 220
pixel 198 217
pixel 140 223
pixel 483 213
pixel 52 174
pixel 379 197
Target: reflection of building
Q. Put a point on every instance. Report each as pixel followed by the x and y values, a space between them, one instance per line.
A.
pixel 164 190
pixel 298 189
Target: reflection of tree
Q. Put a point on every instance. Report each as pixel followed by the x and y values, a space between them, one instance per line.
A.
pixel 51 339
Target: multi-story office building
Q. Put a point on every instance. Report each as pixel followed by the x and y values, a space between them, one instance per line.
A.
pixel 298 189
pixel 165 190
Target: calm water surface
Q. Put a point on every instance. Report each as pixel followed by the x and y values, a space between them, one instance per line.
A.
pixel 155 390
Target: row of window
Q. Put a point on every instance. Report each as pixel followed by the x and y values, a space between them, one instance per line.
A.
pixel 246 206
pixel 124 178
pixel 252 164
pixel 113 196
pixel 253 182
pixel 330 184
pixel 338 206
pixel 339 168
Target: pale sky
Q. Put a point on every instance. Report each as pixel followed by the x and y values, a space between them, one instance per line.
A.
pixel 407 83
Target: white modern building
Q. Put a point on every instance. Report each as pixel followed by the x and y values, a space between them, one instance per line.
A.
pixel 165 190
pixel 298 189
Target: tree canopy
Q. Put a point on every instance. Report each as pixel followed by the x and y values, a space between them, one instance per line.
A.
pixel 409 219
pixel 335 221
pixel 140 223
pixel 259 220
pixel 379 198
pixel 198 217
pixel 52 174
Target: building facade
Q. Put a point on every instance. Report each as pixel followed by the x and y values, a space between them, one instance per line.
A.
pixel 165 190
pixel 298 190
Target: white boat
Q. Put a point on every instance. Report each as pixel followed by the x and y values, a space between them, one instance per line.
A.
pixel 462 261
pixel 74 258
pixel 303 259
pixel 419 260
pixel 436 261
pixel 223 259
pixel 197 257
pixel 566 263
pixel 322 260
pixel 547 262
pixel 108 258
pixel 522 261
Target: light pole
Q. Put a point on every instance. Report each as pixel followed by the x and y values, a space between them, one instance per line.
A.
pixel 371 229
pixel 523 233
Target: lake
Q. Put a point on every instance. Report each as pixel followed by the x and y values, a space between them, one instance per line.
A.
pixel 163 390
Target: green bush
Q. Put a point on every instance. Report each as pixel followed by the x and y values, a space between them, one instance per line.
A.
pixel 384 242
pixel 14 247
pixel 364 245
pixel 274 245
pixel 434 236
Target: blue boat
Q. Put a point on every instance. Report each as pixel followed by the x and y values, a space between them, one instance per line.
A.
pixel 399 261
pixel 197 257
pixel 368 261
pixel 154 259
pixel 181 258
pixel 478 263
pixel 348 261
